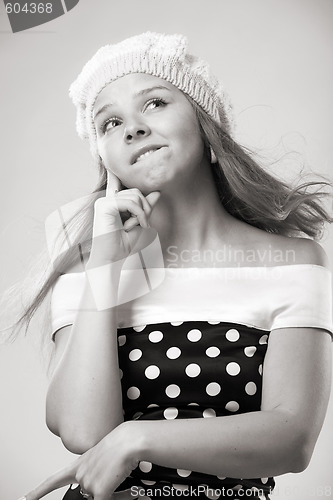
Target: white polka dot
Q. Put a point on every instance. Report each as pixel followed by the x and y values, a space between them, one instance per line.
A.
pixel 192 370
pixel 172 391
pixel 145 466
pixel 145 497
pixel 260 369
pixel 153 405
pixel 212 494
pixel 155 336
pixel 194 335
pixel 121 340
pixel 232 406
pixel 182 487
pixel 152 372
pixel 121 373
pixel 135 354
pixel 232 335
pixel 249 351
pixel 193 404
pixel 212 352
pixel 148 483
pixel 176 323
pixel 233 368
pixel 250 388
pixel 220 477
pixel 183 472
pixel 264 480
pixel 237 487
pixel 214 322
pixel 133 393
pixel 213 389
pixel 139 328
pixel 255 490
pixel 263 339
pixel 137 415
pixel 73 486
pixel 173 353
pixel 170 413
pixel 209 412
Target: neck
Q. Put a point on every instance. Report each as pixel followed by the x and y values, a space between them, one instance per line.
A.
pixel 191 217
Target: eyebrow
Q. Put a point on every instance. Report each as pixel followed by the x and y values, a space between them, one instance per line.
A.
pixel 137 94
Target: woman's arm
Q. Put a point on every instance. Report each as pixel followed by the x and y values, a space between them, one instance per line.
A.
pixel 84 400
pixel 278 439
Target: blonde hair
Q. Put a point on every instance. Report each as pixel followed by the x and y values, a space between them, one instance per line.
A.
pixel 246 190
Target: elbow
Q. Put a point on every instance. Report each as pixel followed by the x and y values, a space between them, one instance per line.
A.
pixel 301 455
pixel 78 444
pixel 51 422
pixel 75 439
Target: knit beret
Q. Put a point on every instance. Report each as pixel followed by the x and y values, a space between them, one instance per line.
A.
pixel 164 56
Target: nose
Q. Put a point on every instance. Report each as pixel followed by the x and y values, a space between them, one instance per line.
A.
pixel 134 131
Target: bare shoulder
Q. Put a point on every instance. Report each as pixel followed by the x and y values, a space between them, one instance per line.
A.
pixel 308 251
pixel 276 249
pixel 300 250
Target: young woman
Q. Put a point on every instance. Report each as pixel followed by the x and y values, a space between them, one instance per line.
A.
pixel 192 336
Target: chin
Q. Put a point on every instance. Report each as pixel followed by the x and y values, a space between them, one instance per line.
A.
pixel 150 184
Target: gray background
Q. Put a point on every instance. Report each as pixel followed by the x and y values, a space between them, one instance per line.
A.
pixel 274 58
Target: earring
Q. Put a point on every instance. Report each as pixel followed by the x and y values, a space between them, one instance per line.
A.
pixel 213 158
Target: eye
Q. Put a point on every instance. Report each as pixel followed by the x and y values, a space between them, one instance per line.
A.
pixel 109 124
pixel 155 103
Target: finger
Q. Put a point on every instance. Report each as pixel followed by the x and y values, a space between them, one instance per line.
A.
pixel 61 478
pixel 148 203
pixel 153 198
pixel 113 184
pixel 138 215
pixel 123 495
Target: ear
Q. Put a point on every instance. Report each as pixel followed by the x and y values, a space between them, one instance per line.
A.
pixel 213 158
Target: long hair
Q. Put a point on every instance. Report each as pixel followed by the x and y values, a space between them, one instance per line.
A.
pixel 246 190
pixel 250 193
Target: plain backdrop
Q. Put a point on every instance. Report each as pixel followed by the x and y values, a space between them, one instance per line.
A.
pixel 273 56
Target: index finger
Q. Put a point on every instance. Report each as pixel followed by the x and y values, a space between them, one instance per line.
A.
pixel 113 184
pixel 60 478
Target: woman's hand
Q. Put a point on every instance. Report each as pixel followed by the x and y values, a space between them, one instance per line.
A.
pixel 116 216
pixel 101 469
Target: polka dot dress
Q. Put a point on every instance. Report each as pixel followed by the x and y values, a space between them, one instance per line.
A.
pixel 191 370
pixel 193 367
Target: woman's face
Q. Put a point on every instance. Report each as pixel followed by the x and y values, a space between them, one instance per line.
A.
pixel 147 133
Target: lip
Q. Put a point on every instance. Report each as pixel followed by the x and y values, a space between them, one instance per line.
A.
pixel 143 150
